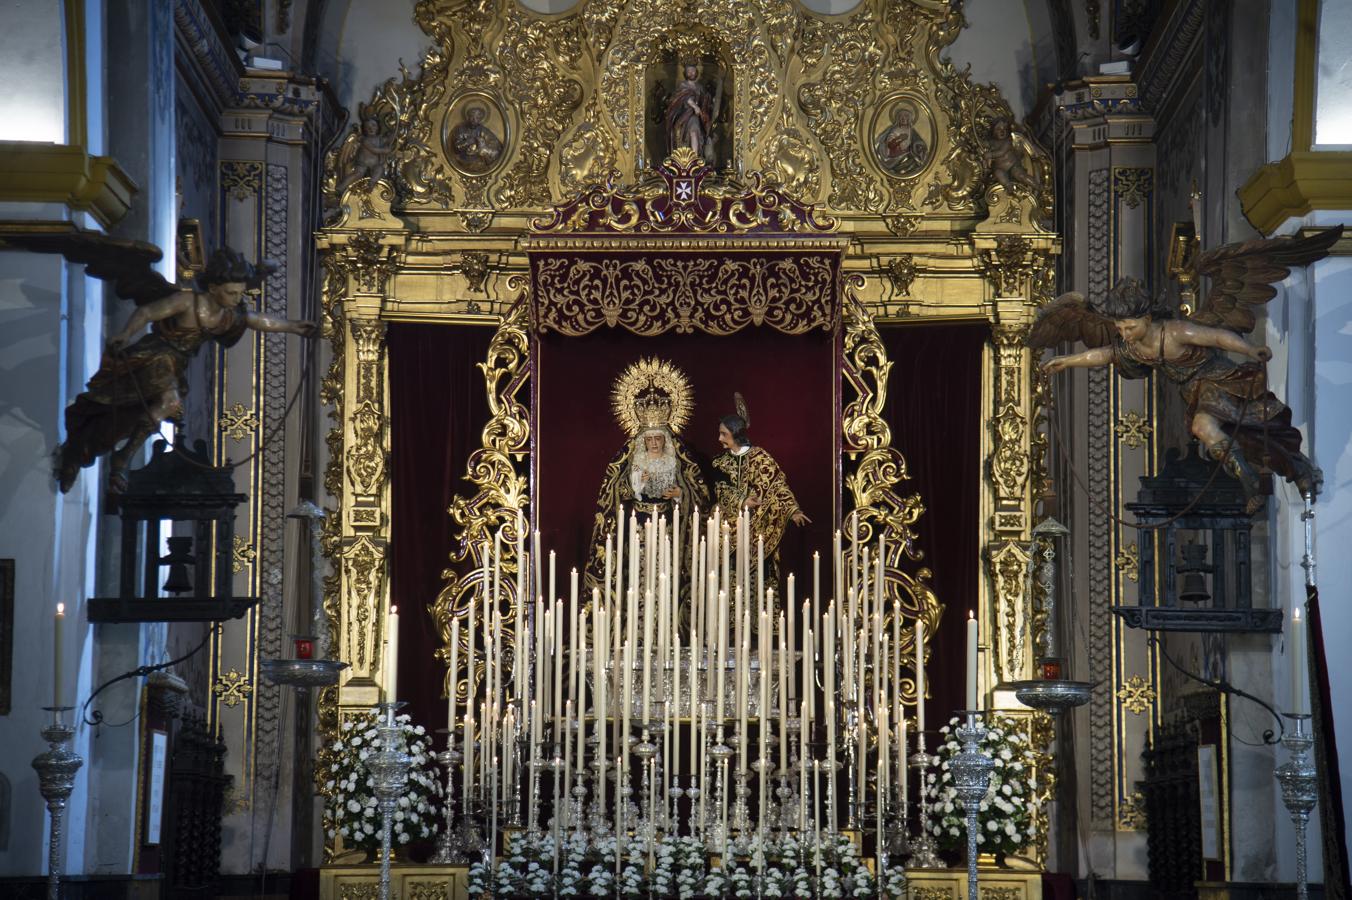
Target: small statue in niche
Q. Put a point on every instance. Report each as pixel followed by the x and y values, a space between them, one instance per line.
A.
pixel 365 155
pixel 141 380
pixel 1008 158
pixel 475 147
pixel 1230 410
pixel 901 149
pixel 690 114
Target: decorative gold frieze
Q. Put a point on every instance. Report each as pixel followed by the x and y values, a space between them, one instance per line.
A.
pixel 1131 813
pixel 237 422
pixel 1009 644
pixel 1133 185
pixel 241 178
pixel 1128 561
pixel 242 554
pixel 1133 429
pixel 233 687
pixel 1136 694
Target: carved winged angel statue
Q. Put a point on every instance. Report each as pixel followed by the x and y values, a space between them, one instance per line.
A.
pixel 1229 408
pixel 141 380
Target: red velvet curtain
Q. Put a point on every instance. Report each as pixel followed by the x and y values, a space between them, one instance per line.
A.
pixel 934 411
pixel 438 408
pixel 789 385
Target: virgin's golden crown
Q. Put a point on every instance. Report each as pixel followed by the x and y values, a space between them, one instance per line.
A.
pixel 652 408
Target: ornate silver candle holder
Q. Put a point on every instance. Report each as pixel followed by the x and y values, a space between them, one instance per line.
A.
pixel 447 850
pixel 56 768
pixel 1299 782
pixel 302 673
pixel 924 853
pixel 389 777
pixel 972 778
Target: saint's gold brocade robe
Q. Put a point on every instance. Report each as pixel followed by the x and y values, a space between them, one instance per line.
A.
pixel 755 474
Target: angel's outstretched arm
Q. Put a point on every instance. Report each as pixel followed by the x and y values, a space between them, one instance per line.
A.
pixel 264 322
pixel 1085 359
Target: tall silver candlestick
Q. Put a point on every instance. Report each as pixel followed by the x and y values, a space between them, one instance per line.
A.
pixel 924 854
pixel 1297 776
pixel 389 777
pixel 56 768
pixel 972 778
pixel 449 759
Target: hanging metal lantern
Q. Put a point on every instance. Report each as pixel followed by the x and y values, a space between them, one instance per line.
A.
pixel 179 486
pixel 1188 512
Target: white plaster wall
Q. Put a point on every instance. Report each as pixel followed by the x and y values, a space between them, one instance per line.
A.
pixel 998 43
pixel 45 309
pixel 32 71
pixel 1310 331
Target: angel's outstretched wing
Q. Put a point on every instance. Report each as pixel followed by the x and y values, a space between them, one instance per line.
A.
pixel 1069 318
pixel 129 265
pixel 1243 274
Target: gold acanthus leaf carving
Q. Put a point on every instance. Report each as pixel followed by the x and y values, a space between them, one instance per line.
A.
pixel 878 469
pixel 501 493
pixel 537 57
pixel 1009 575
pixel 833 97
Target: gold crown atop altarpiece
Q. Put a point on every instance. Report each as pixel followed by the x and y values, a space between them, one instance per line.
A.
pixel 652 393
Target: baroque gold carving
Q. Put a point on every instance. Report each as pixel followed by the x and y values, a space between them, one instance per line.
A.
pixel 237 422
pixel 652 295
pixel 1136 694
pixel 1133 429
pixel 233 687
pixel 1010 463
pixel 878 469
pixel 1010 576
pixel 501 489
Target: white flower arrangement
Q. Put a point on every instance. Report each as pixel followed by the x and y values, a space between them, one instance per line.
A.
pixel 1005 816
pixel 781 867
pixel 351 812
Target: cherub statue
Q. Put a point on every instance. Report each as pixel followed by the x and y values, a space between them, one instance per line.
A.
pixel 140 381
pixel 1229 408
pixel 365 154
pixel 1005 158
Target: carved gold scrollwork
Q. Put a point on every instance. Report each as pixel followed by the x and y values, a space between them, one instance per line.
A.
pixel 878 508
pixel 653 294
pixel 366 458
pixel 502 489
pixel 1010 463
pixel 1012 619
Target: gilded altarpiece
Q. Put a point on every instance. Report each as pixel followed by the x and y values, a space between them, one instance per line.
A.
pixel 866 143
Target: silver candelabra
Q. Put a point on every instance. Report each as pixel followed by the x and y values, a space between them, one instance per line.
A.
pixel 389 777
pixel 972 778
pixel 1297 776
pixel 56 769
pixel 447 851
pixel 923 851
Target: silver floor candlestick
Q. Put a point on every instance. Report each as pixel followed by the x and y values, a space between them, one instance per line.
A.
pixel 924 854
pixel 972 778
pixel 389 777
pixel 1297 776
pixel 56 769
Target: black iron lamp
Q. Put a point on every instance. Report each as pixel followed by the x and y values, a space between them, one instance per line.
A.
pixel 1191 509
pixel 179 486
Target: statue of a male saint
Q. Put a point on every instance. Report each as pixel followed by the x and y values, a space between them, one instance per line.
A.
pixel 746 477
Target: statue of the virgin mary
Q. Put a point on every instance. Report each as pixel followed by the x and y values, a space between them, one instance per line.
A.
pixel 654 472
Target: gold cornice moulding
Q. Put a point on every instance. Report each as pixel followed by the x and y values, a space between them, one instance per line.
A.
pixel 1304 181
pixel 61 173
